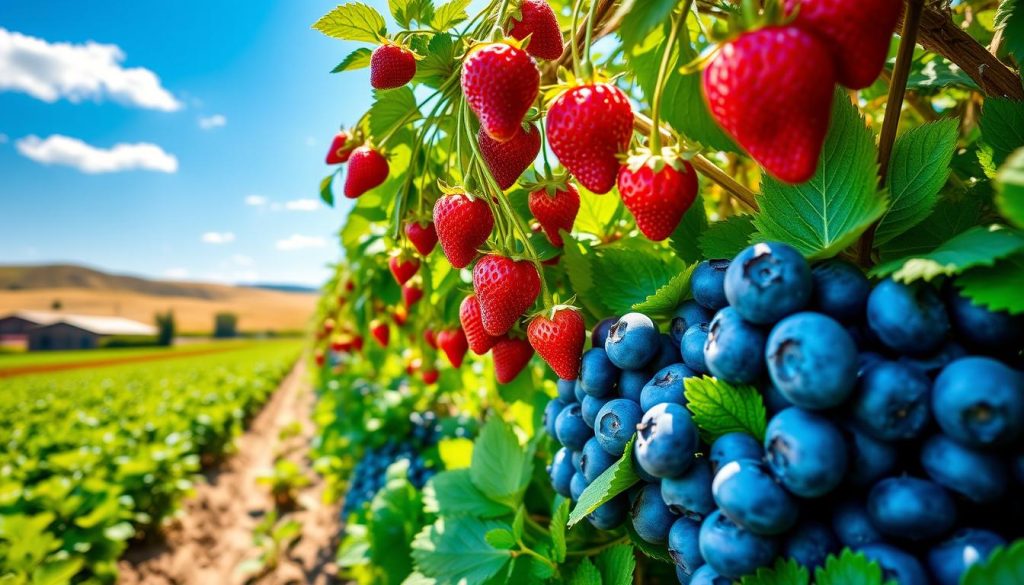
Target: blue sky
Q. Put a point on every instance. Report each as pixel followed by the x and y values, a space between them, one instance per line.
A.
pixel 198 199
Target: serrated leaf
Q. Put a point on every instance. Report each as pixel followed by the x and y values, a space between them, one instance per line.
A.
pixel 918 168
pixel 501 468
pixel 996 287
pixel 726 238
pixel 1010 189
pixel 617 565
pixel 652 551
pixel 500 538
pixel 615 480
pixel 719 408
pixel 629 272
pixel 978 246
pixel 598 213
pixel 585 574
pixel 1002 127
pixel 407 12
pixel 1010 20
pixel 948 219
pixel 452 493
pixel 453 550
pixel 449 14
pixel 438 63
pixel 664 300
pixel 684 239
pixel 541 570
pixel 559 517
pixel 640 17
pixel 823 216
pixel 518 522
pixel 849 568
pixel 1004 565
pixel 784 572
pixel 391 108
pixel 326 192
pixel 358 59
pixel 577 259
pixel 353 22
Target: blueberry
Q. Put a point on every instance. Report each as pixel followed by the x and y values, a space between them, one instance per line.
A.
pixel 691 348
pixel 908 318
pixel 708 284
pixel 616 423
pixel 561 471
pixel 774 401
pixel 577 460
pixel 688 314
pixel 597 373
pixel 668 354
pixel 555 406
pixel 611 514
pixel 577 484
pixel 595 460
pixel 979 402
pixel 732 551
pixel 933 363
pixel 892 402
pixel 733 447
pixel 746 492
pixel 806 452
pixel 989 331
pixel 566 390
pixel 734 350
pixel 600 333
pixel 591 406
pixel 949 560
pixel 633 341
pixel 632 382
pixel 840 290
pixel 853 526
pixel 689 495
pixel 980 476
pixel 868 458
pixel 572 431
pixel 897 566
pixel 684 545
pixel 809 544
pixel 652 519
pixel 911 508
pixel 578 392
pixel 647 477
pixel 666 386
pixel 812 360
pixel 768 281
pixel 705 575
pixel 666 440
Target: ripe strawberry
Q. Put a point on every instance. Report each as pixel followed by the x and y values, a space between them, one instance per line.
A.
pixel 771 90
pixel 381 332
pixel 338 345
pixel 411 294
pixel 463 225
pixel 469 315
pixel 367 169
pixel 506 288
pixel 391 66
pixel 320 358
pixel 500 83
pixel 657 190
pixel 857 33
pixel 454 344
pixel 329 325
pixel 555 208
pixel 403 267
pixel 430 337
pixel 559 340
pixel 350 286
pixel 430 376
pixel 422 235
pixel 536 18
pixel 341 148
pixel 588 127
pixel 507 160
pixel 510 357
pixel 357 343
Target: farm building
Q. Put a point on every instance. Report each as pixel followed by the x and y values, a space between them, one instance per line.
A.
pixel 38 330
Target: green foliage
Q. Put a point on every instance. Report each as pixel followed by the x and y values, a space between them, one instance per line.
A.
pixel 409 12
pixel 438 62
pixel 617 564
pixel 849 568
pixel 1002 127
pixel 978 246
pixel 726 238
pixel 719 408
pixel 784 572
pixel 664 300
pixel 392 109
pixel 501 468
pixel 449 14
pixel 948 219
pixel 1010 189
pixel 1004 565
pixel 353 22
pixel 454 550
pixel 1010 20
pixel 455 493
pixel 628 274
pixel 686 237
pixel 615 480
pixel 996 287
pixel 358 59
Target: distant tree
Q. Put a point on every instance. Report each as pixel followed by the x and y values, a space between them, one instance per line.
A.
pixel 56 305
pixel 225 325
pixel 165 328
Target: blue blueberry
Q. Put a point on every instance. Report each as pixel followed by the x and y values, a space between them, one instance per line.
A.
pixel 652 519
pixel 990 331
pixel 933 363
pixel 577 484
pixel 768 281
pixel 597 373
pixel 578 392
pixel 595 460
pixel 566 390
pixel 809 544
pixel 733 447
pixel 571 429
pixel 950 559
pixel 705 575
pixel 746 492
pixel 561 471
pixel 632 382
pixel 774 401
pixel 708 284
pixel 611 514
pixel 840 290
pixel 979 402
pixel 666 386
pixel 616 423
pixel 868 459
pixel 867 360
pixel 892 402
pixel 806 452
pixel 689 495
pixel 633 341
pixel 852 525
pixel 551 411
pixel 911 508
pixel 647 477
pixel 688 314
pixel 812 360
pixel 734 350
pixel 908 318
pixel 897 566
pixel 666 440
pixel 732 551
pixel 684 545
pixel 591 406
pixel 668 354
pixel 980 476
pixel 600 332
pixel 691 348
pixel 577 460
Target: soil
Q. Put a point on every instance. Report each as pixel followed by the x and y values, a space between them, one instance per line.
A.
pixel 211 540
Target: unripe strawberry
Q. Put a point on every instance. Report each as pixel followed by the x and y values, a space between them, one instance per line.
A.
pixel 500 83
pixel 391 66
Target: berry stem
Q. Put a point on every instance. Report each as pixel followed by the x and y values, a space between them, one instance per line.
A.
pixel 576 9
pixel 588 65
pixel 678 20
pixel 499 23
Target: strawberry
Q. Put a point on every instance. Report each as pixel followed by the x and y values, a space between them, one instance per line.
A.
pixel 430 337
pixel 422 235
pixel 400 315
pixel 510 357
pixel 350 286
pixel 771 90
pixel 391 66
pixel 320 358
pixel 403 267
pixel 380 332
pixel 536 19
pixel 367 169
pixel 329 326
pixel 357 343
pixel 506 288
pixel 454 344
pixel 469 315
pixel 507 160
pixel 657 190
pixel 463 225
pixel 588 127
pixel 430 376
pixel 559 340
pixel 500 83
pixel 411 294
pixel 341 148
pixel 555 208
pixel 857 33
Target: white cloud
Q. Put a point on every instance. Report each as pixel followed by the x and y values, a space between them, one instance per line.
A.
pixel 300 242
pixel 176 273
pixel 72 152
pixel 242 260
pixel 256 200
pixel 51 71
pixel 211 122
pixel 218 238
pixel 302 205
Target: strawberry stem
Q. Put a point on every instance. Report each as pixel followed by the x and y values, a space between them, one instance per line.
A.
pixel 576 9
pixel 499 23
pixel 678 20
pixel 588 65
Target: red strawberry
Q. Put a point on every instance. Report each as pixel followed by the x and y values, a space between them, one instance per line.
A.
pixel 463 225
pixel 411 294
pixel 500 83
pixel 422 235
pixel 510 357
pixel 858 34
pixel 559 340
pixel 341 149
pixel 320 357
pixel 380 332
pixel 403 267
pixel 506 288
pixel 507 160
pixel 657 190
pixel 536 18
pixel 357 343
pixel 771 90
pixel 430 337
pixel 430 376
pixel 367 169
pixel 350 286
pixel 588 127
pixel 469 315
pixel 329 325
pixel 391 66
pixel 454 344
pixel 555 208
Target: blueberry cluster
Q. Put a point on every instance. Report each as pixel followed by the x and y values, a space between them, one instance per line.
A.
pixel 896 422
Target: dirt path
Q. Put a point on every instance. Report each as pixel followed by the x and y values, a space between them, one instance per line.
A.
pixel 213 538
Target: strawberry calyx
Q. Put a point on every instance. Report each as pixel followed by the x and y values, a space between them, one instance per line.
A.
pixel 669 156
pixel 551 185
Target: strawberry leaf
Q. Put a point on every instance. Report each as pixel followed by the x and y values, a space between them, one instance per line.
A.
pixel 849 568
pixel 456 549
pixel 996 287
pixel 353 22
pixel 1010 189
pixel 615 480
pixel 358 59
pixel 719 408
pixel 406 12
pixel 1004 565
pixel 1002 127
pixel 449 14
pixel 391 108
pixel 1010 20
pixel 726 238
pixel 617 564
pixel 629 271
pixel 948 219
pixel 784 572
pixel 978 246
pixel 664 300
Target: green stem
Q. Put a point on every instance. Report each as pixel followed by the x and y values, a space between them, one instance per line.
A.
pixel 588 66
pixel 499 22
pixel 527 550
pixel 575 20
pixel 596 549
pixel 659 87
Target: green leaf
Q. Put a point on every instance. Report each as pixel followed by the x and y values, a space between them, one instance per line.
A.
pixel 1004 565
pixel 653 551
pixel 56 572
pixel 996 287
pixel 615 480
pixel 1010 19
pixel 664 300
pixel 577 259
pixel 452 493
pixel 918 169
pixel 598 213
pixel 585 574
pixel 1002 127
pixel 559 517
pixel 726 238
pixel 629 272
pixel 978 246
pixel 326 192
pixel 501 468
pixel 823 216
pixel 784 572
pixel 640 17
pixel 407 12
pixel 438 63
pixel 500 538
pixel 934 72
pixel 453 550
pixel 353 22
pixel 518 522
pixel 684 239
pixel 849 568
pixel 617 564
pixel 1010 189
pixel 358 59
pixel 719 408
pixel 947 220
pixel 449 14
pixel 391 108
